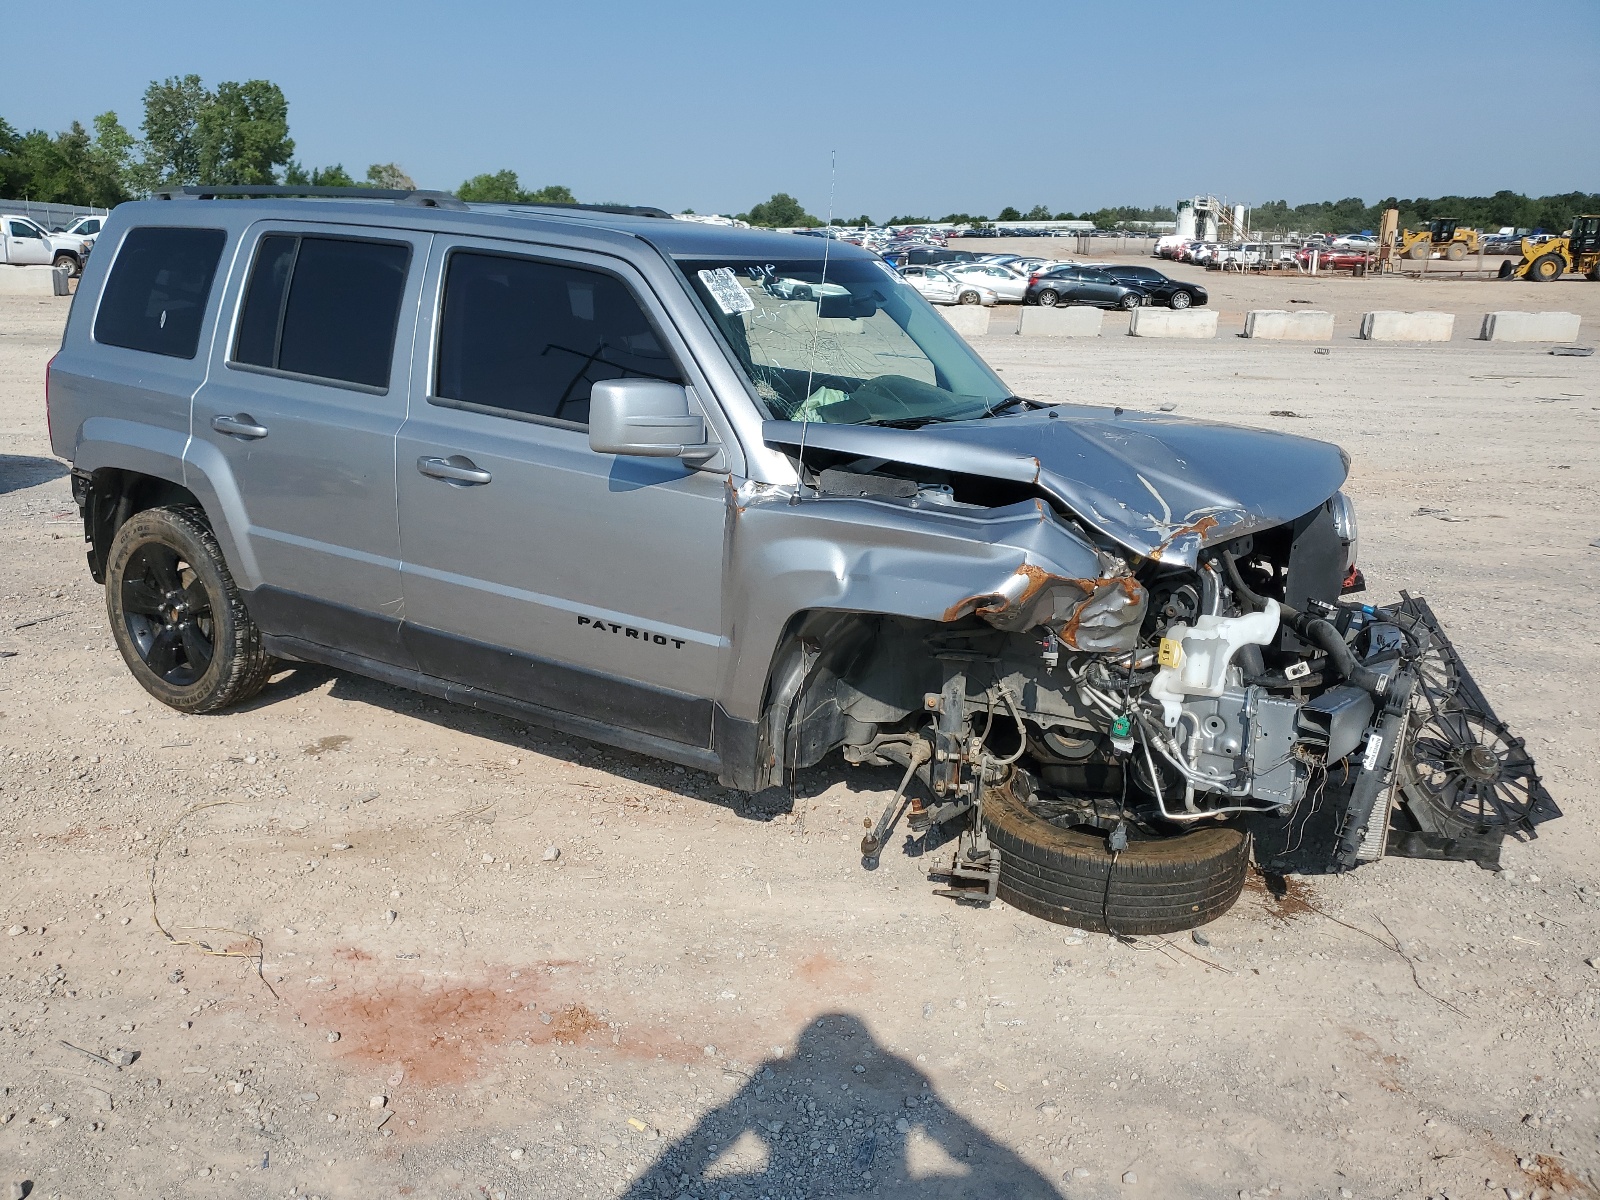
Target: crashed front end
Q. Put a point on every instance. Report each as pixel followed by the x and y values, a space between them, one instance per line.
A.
pixel 1213 665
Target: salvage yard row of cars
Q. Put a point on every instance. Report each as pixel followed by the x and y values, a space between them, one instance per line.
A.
pixel 1018 279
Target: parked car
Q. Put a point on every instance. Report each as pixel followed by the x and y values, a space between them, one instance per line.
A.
pixel 938 286
pixel 1356 241
pixel 24 242
pixel 1162 289
pixel 1330 259
pixel 87 228
pixel 592 470
pixel 1081 285
pixel 1002 281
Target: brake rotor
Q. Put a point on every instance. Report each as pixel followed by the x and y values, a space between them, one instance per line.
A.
pixel 1470 767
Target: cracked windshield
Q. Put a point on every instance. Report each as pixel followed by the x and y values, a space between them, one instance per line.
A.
pixel 846 342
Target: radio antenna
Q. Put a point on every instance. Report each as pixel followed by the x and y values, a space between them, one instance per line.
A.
pixel 811 359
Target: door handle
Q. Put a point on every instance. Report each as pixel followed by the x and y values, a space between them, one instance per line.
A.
pixel 458 469
pixel 240 425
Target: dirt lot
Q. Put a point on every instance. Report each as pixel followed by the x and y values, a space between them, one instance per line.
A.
pixel 703 997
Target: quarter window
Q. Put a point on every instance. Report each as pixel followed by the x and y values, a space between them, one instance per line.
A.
pixel 530 338
pixel 156 295
pixel 323 307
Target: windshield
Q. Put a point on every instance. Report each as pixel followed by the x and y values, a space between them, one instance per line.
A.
pixel 859 347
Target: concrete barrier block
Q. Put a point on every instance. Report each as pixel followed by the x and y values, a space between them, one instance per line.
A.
pixel 969 320
pixel 29 281
pixel 1306 325
pixel 1407 326
pixel 1530 327
pixel 1070 320
pixel 1173 323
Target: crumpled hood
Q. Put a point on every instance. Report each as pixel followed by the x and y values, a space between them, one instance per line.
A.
pixel 1163 486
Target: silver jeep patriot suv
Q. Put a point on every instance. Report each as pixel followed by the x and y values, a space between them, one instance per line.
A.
pixel 740 500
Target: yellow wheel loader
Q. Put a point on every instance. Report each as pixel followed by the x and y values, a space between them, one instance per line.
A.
pixel 1442 236
pixel 1576 250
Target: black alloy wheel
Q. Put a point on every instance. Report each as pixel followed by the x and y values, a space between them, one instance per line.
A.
pixel 177 616
pixel 168 614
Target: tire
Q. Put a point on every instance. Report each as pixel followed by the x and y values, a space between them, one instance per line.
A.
pixel 1547 268
pixel 1456 251
pixel 1420 250
pixel 1049 298
pixel 1067 876
pixel 67 261
pixel 1181 300
pixel 1130 302
pixel 969 297
pixel 176 615
pixel 1594 273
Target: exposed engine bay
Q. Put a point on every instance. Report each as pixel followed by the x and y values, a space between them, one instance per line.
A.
pixel 1143 676
pixel 1156 698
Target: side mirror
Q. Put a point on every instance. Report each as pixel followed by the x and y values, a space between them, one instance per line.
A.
pixel 645 417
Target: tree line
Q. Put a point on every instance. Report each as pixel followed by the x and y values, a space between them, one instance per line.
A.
pixel 238 133
pixel 234 133
pixel 1352 215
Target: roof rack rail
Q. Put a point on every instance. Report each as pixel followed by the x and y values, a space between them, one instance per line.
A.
pixel 620 210
pixel 427 199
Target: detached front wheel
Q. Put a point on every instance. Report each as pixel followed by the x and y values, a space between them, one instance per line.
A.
pixel 1156 885
pixel 177 616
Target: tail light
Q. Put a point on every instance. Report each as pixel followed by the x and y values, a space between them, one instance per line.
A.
pixel 1032 279
pixel 48 427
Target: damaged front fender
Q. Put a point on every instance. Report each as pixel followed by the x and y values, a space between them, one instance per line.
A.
pixel 1095 615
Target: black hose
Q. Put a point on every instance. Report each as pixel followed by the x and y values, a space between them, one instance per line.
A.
pixel 1246 597
pixel 1314 630
pixel 1343 660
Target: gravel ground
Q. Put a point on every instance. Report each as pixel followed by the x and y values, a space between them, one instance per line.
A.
pixel 349 941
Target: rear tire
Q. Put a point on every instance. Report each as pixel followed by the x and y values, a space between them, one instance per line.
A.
pixel 1049 299
pixel 177 616
pixel 1068 876
pixel 1547 268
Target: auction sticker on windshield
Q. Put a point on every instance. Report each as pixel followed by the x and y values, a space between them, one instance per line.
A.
pixel 729 294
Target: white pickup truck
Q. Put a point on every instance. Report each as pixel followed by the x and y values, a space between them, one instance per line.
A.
pixel 24 242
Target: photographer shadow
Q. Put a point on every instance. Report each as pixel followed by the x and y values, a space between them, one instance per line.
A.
pixel 783 1136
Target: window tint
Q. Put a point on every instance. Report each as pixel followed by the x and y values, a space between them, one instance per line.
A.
pixel 156 295
pixel 22 229
pixel 533 337
pixel 325 307
pixel 257 342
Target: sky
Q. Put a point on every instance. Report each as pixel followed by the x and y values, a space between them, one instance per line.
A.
pixel 884 108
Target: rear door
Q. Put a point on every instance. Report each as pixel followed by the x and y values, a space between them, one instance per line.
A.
pixel 298 416
pixel 584 584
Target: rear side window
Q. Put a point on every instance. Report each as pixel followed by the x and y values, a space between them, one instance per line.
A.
pixel 323 307
pixel 530 338
pixel 155 297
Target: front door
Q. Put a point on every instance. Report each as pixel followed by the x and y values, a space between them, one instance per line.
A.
pixel 300 410
pixel 26 244
pixel 580 583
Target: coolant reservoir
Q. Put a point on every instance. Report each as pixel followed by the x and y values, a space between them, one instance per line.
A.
pixel 1195 658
